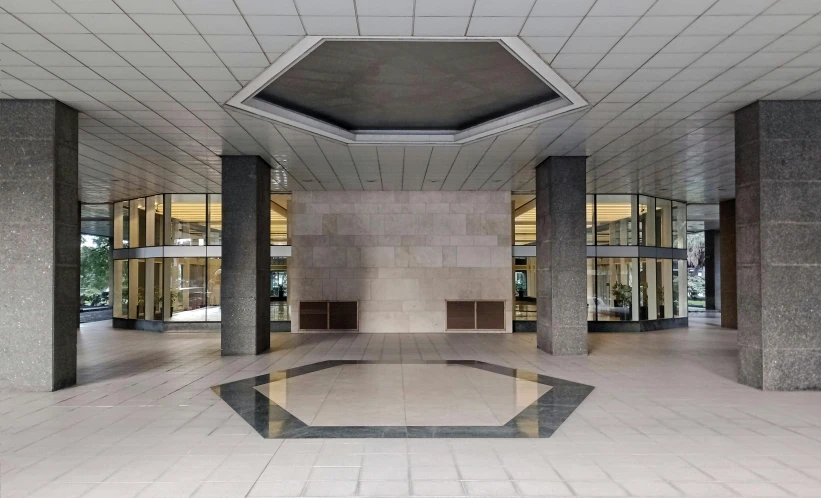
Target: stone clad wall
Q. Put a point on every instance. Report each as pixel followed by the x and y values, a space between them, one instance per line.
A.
pixel 401 254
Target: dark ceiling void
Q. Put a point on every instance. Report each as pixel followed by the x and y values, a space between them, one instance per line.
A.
pixel 407 85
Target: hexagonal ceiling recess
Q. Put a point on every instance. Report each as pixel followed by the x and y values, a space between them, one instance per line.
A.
pixel 408 90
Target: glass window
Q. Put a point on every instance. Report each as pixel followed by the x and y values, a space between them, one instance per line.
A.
pixel 614 220
pixel 136 289
pixel 680 288
pixel 121 219
pixel 154 209
pixel 187 224
pixel 664 231
pixel 154 286
pixel 279 290
pixel 187 288
pixel 524 285
pixel 214 219
pixel 647 221
pixel 524 220
pixel 137 224
pixel 280 204
pixel 119 294
pixel 591 289
pixel 588 220
pixel 664 288
pixel 614 289
pixel 679 222
pixel 647 285
pixel 213 312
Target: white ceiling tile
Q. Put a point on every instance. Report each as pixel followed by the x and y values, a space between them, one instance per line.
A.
pixel 93 59
pixel 276 25
pixel 793 43
pixel 232 43
pixel 155 59
pixel 641 44
pixel 330 25
pixel 384 8
pixel 277 44
pixel 438 8
pixel 83 43
pixel 605 26
pixel 48 59
pixel 30 6
pixel 217 7
pixel 197 59
pixel 148 6
pixel 620 7
pixel 220 24
pixel 129 43
pixel 692 44
pixel 546 44
pixel 771 25
pixel 325 7
pixel 495 26
pixel 562 8
pixel 716 25
pixel 108 23
pixel 507 8
pixel 182 43
pixel 739 7
pixel 267 7
pixel 385 26
pixel 661 25
pixel 550 26
pixel 52 23
pixel 240 59
pixel 679 8
pixel 440 26
pixel 164 24
pixel 795 7
pixel 589 44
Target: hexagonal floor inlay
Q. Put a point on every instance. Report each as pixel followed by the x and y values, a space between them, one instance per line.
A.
pixel 449 398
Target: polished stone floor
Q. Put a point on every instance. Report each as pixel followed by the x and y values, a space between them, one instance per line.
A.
pixel 666 418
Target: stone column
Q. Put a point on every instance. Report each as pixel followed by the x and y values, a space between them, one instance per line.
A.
pixel 712 279
pixel 729 301
pixel 778 229
pixel 246 260
pixel 561 256
pixel 39 245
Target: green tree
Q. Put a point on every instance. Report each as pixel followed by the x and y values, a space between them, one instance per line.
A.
pixel 94 254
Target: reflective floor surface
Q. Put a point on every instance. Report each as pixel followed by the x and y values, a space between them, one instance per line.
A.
pixel 666 418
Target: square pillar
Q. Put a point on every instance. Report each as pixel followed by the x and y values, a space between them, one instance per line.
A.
pixel 778 257
pixel 561 256
pixel 246 255
pixel 727 275
pixel 39 245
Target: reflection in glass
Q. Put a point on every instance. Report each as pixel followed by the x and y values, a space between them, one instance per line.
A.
pixel 136 289
pixel 663 220
pixel 279 219
pixel 119 294
pixel 137 224
pixel 588 220
pixel 614 220
pixel 121 219
pixel 279 290
pixel 664 288
pixel 154 285
pixel 187 225
pixel 591 289
pixel 614 289
pixel 647 285
pixel 524 285
pixel 187 288
pixel 214 219
pixel 524 220
pixel 680 288
pixel 154 220
pixel 679 222
pixel 213 313
pixel 647 221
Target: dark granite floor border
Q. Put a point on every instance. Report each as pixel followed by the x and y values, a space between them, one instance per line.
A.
pixel 539 420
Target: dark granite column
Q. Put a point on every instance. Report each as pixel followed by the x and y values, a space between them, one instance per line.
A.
pixel 39 245
pixel 710 277
pixel 246 260
pixel 729 299
pixel 778 229
pixel 561 256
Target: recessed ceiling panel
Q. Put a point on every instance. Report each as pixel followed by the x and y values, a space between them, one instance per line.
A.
pixel 407 85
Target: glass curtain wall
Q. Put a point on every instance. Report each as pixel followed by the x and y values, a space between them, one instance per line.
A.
pixel 615 220
pixel 524 219
pixel 524 281
pixel 187 224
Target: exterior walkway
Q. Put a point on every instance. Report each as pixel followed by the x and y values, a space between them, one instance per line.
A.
pixel 666 418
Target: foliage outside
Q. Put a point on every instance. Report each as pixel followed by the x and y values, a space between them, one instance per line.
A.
pixel 94 261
